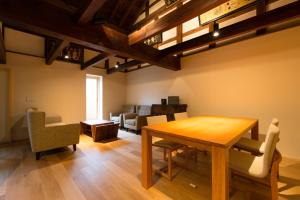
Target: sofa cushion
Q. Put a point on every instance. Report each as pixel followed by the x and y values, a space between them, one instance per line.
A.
pixel 115 118
pixel 130 122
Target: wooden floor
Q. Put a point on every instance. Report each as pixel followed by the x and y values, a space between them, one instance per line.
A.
pixel 111 171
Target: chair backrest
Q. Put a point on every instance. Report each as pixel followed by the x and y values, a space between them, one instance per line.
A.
pixel 275 122
pixel 35 120
pixel 160 119
pixel 128 109
pixel 143 110
pixel 182 115
pixel 262 164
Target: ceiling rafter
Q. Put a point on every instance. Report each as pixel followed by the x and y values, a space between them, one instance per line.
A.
pixel 186 12
pixel 124 66
pixel 95 61
pixel 261 9
pixel 56 49
pixel 279 15
pixel 90 10
pixel 124 18
pixel 154 15
pixel 17 14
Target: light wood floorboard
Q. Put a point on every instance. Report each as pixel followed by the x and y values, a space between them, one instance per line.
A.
pixel 112 170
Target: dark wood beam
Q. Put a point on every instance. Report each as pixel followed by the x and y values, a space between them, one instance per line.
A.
pixel 186 12
pixel 279 15
pixel 86 15
pixel 38 19
pixel 154 15
pixel 261 9
pixel 54 52
pixel 124 18
pixel 124 66
pixel 2 49
pixel 135 16
pixel 94 61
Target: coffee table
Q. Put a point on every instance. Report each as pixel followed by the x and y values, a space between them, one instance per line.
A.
pixel 99 129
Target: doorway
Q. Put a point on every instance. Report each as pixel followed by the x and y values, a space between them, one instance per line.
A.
pixel 94 97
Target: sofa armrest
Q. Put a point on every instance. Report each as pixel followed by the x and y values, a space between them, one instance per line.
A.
pixel 129 116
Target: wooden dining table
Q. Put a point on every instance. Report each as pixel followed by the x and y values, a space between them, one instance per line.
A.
pixel 215 134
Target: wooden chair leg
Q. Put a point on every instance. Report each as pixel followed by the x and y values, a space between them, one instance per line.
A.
pixel 170 165
pixel 74 147
pixel 165 155
pixel 37 155
pixel 274 180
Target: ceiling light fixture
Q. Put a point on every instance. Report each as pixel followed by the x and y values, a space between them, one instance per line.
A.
pixel 117 65
pixel 216 31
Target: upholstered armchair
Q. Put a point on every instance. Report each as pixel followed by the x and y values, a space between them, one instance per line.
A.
pixel 117 117
pixel 45 137
pixel 135 121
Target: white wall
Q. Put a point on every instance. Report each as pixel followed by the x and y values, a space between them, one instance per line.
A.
pixel 57 89
pixel 257 78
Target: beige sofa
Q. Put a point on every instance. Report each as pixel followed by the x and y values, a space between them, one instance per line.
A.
pixel 117 117
pixel 135 121
pixel 45 137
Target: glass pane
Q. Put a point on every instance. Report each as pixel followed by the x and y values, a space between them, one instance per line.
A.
pixel 91 98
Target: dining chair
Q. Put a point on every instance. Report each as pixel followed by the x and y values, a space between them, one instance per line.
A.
pixel 182 115
pixel 263 169
pixel 254 146
pixel 168 146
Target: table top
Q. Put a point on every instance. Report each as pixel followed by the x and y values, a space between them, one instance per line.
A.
pixel 96 122
pixel 213 130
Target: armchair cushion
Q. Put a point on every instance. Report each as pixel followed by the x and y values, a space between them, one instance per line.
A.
pixel 131 122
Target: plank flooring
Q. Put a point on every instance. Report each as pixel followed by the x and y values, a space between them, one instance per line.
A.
pixel 111 171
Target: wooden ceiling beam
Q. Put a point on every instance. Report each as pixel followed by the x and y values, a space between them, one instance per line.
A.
pixel 186 12
pixel 2 49
pixel 124 18
pixel 55 51
pixel 279 15
pixel 58 24
pixel 89 11
pixel 261 9
pixel 124 66
pixel 94 61
pixel 155 15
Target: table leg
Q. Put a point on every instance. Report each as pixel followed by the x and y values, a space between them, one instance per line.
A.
pixel 254 131
pixel 146 159
pixel 220 179
pixel 82 128
pixel 93 130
